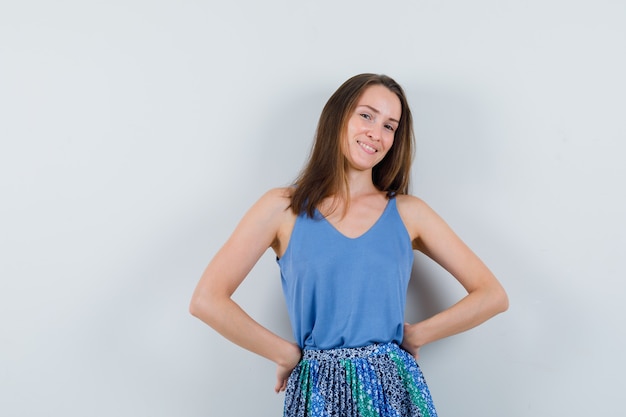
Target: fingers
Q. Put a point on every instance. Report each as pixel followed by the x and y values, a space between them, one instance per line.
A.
pixel 280 386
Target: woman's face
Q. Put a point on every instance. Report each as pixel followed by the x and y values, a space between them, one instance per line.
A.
pixel 371 127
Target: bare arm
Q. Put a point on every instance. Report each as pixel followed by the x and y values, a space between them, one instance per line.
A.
pixel 485 296
pixel 212 302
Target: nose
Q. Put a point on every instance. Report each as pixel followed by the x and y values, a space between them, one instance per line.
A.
pixel 375 132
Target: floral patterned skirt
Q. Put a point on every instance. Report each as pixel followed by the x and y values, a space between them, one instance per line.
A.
pixel 380 380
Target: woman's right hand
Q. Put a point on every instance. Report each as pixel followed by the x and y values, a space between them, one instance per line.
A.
pixel 285 368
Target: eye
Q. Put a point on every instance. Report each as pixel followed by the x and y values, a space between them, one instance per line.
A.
pixel 365 116
pixel 390 128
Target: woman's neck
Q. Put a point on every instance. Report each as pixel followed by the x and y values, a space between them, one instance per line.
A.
pixel 360 183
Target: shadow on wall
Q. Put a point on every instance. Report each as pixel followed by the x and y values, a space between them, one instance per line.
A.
pixel 454 144
pixel 431 290
pixel 453 162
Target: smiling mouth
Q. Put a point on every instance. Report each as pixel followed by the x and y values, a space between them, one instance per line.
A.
pixel 367 148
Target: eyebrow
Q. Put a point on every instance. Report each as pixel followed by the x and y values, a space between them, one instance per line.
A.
pixel 375 110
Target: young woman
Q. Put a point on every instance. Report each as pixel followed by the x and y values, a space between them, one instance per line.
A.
pixel 344 236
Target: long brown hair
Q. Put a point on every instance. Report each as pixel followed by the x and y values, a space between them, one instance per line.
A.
pixel 325 173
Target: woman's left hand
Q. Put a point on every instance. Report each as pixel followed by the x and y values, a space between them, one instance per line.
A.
pixel 410 341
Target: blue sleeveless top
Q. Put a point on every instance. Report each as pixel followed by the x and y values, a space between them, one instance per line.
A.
pixel 347 292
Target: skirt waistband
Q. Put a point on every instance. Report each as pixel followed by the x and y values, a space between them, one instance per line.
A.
pixel 350 353
pixel 379 380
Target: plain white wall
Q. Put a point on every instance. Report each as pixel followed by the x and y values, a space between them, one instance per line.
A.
pixel 135 134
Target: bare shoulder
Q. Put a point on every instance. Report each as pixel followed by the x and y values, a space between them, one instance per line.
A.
pixel 272 203
pixel 410 206
pixel 409 202
pixel 275 205
pixel 268 212
pixel 413 211
pixel 276 199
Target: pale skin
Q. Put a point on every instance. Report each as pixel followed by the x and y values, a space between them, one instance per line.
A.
pixel 269 222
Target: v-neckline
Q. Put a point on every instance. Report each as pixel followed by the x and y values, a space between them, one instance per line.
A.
pixel 332 226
